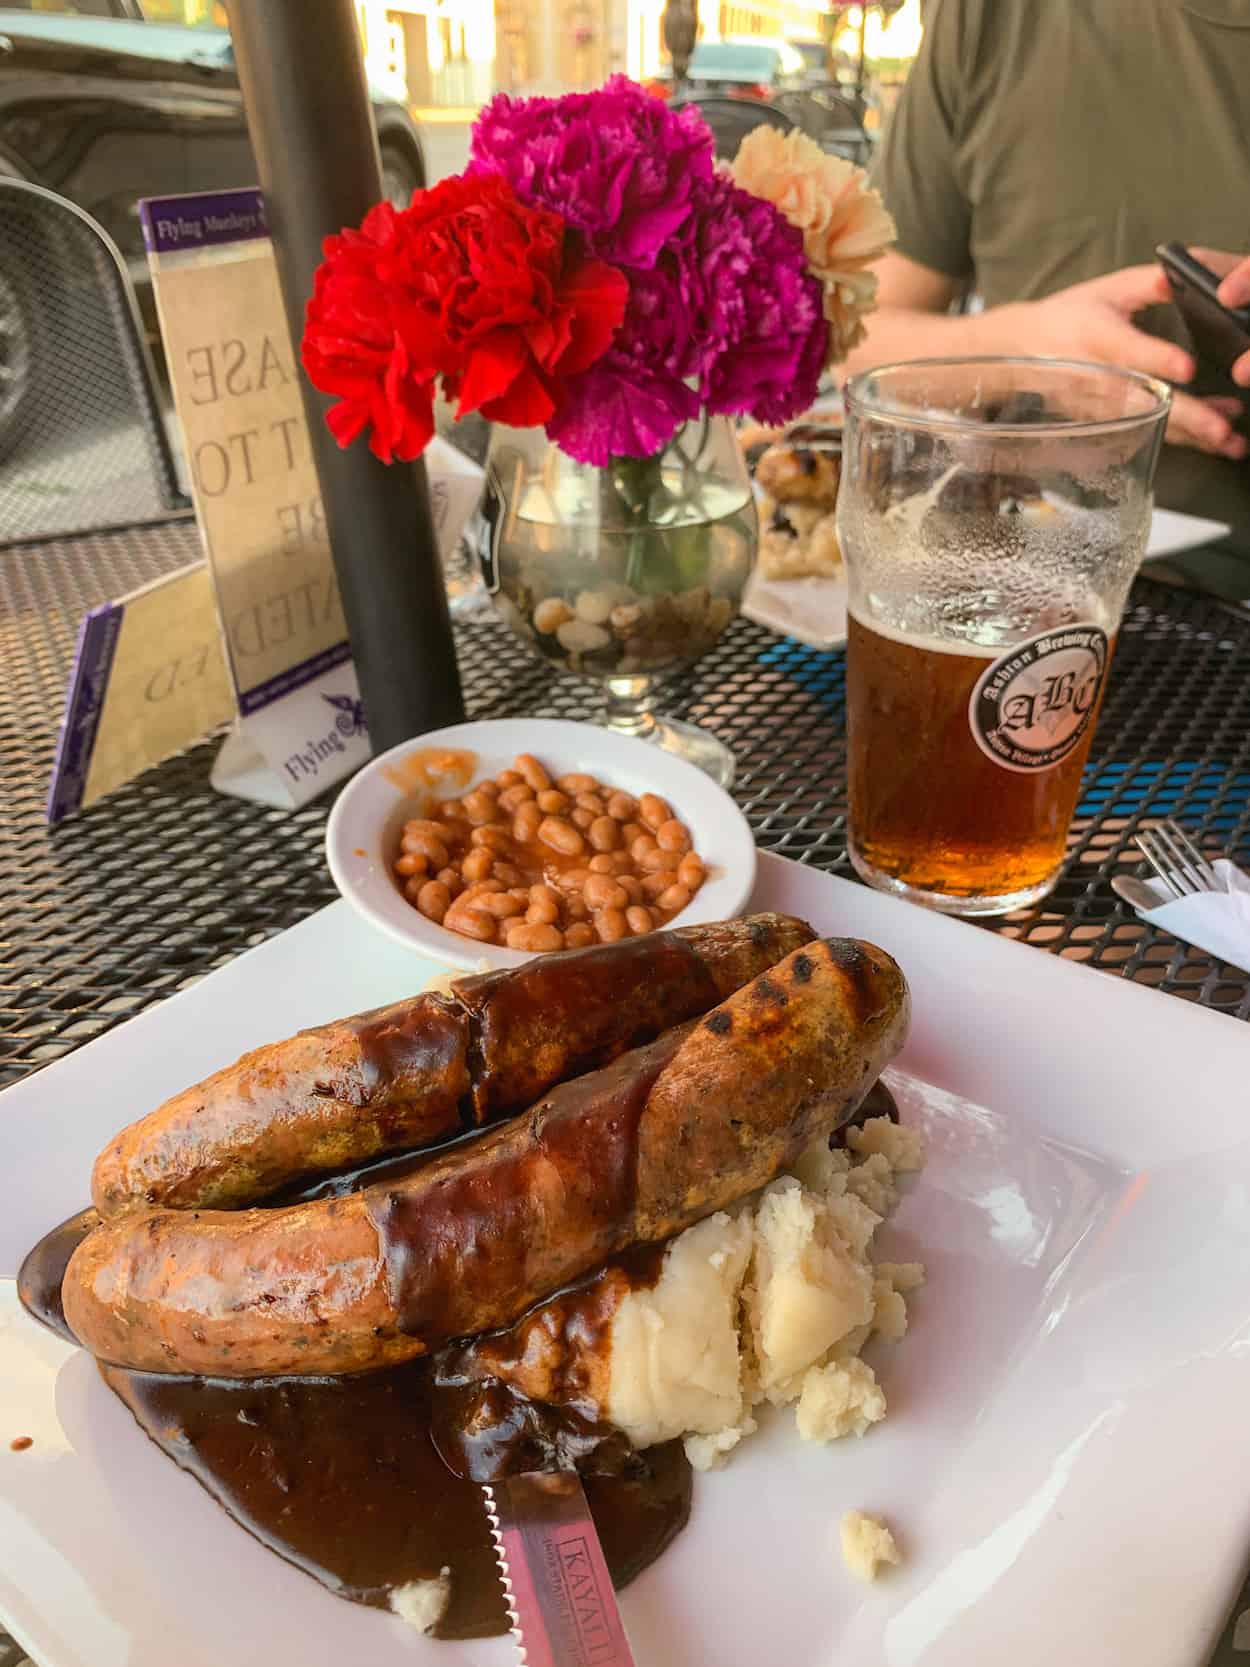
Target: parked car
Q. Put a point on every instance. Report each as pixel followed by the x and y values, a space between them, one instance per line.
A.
pixel 103 104
pixel 816 62
pixel 743 68
pixel 105 107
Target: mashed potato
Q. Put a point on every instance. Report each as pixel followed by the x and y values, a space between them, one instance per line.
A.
pixel 866 1544
pixel 423 1603
pixel 770 1302
pixel 675 1364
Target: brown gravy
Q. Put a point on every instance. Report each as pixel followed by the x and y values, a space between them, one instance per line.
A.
pixel 391 1166
pixel 343 1476
pixel 40 1276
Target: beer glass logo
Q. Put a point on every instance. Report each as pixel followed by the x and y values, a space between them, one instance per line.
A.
pixel 1031 707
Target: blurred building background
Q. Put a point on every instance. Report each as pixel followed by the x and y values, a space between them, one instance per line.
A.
pixel 451 55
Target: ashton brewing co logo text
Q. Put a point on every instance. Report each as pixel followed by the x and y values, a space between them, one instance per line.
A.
pixel 1033 705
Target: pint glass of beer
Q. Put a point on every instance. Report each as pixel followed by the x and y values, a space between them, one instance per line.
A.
pixel 992 514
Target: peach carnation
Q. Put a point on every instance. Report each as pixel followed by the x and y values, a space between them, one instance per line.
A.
pixel 845 225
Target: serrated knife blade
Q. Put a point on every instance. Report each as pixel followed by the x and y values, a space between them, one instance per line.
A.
pixel 556 1583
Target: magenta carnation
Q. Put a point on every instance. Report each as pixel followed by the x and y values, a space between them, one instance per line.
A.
pixel 633 400
pixel 621 407
pixel 617 164
pixel 729 318
pixel 768 336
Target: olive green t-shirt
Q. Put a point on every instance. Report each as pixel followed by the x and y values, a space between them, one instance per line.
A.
pixel 1039 143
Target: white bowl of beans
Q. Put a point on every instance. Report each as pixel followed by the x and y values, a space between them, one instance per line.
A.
pixel 486 843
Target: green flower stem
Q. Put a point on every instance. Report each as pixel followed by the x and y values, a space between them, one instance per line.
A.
pixel 637 480
pixel 666 552
pixel 639 484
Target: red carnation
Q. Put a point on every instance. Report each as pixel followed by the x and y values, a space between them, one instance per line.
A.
pixel 468 284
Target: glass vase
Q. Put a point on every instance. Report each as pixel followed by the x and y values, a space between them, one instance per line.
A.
pixel 622 573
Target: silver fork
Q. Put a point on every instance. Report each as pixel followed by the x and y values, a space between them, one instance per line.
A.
pixel 1177 861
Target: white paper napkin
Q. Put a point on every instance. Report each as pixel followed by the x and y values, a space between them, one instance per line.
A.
pixel 1217 921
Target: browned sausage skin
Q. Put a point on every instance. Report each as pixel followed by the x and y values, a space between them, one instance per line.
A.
pixel 418 1071
pixel 322 1100
pixel 469 1240
pixel 560 1015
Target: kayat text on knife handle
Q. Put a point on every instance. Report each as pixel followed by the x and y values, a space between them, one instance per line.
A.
pixel 556 1583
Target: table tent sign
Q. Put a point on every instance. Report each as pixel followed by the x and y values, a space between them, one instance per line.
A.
pixel 258 633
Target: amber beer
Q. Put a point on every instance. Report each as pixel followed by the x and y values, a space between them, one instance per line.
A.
pixel 965 764
pixel 993 514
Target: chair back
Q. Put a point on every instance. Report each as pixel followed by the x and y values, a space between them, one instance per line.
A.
pixel 830 118
pixel 83 444
pixel 731 119
pixel 835 93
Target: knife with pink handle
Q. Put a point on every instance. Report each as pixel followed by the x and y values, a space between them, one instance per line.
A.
pixel 556 1583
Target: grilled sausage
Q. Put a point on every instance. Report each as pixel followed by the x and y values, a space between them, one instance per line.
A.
pixel 416 1072
pixel 471 1238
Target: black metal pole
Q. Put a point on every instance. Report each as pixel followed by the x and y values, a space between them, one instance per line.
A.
pixel 311 126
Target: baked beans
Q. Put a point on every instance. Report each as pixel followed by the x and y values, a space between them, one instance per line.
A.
pixel 541 864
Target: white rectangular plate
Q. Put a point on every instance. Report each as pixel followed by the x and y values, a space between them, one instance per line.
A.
pixel 1067 1455
pixel 813 611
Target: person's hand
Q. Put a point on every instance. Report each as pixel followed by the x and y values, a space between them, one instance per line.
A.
pixel 1094 320
pixel 1207 424
pixel 1234 291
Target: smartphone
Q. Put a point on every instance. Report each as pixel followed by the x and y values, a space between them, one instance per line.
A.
pixel 1220 334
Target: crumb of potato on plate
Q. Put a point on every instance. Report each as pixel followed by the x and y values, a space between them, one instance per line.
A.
pixel 423 1603
pixel 866 1544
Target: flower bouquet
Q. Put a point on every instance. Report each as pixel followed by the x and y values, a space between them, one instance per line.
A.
pixel 598 287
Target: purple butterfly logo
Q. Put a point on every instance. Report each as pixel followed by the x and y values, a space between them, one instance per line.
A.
pixel 351 714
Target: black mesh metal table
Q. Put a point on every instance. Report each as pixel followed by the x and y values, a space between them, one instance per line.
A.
pixel 166 880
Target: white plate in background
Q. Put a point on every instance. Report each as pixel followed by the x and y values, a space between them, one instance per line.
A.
pixel 810 609
pixel 1066 1459
pixel 813 610
pixel 1172 532
pixel 363 832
